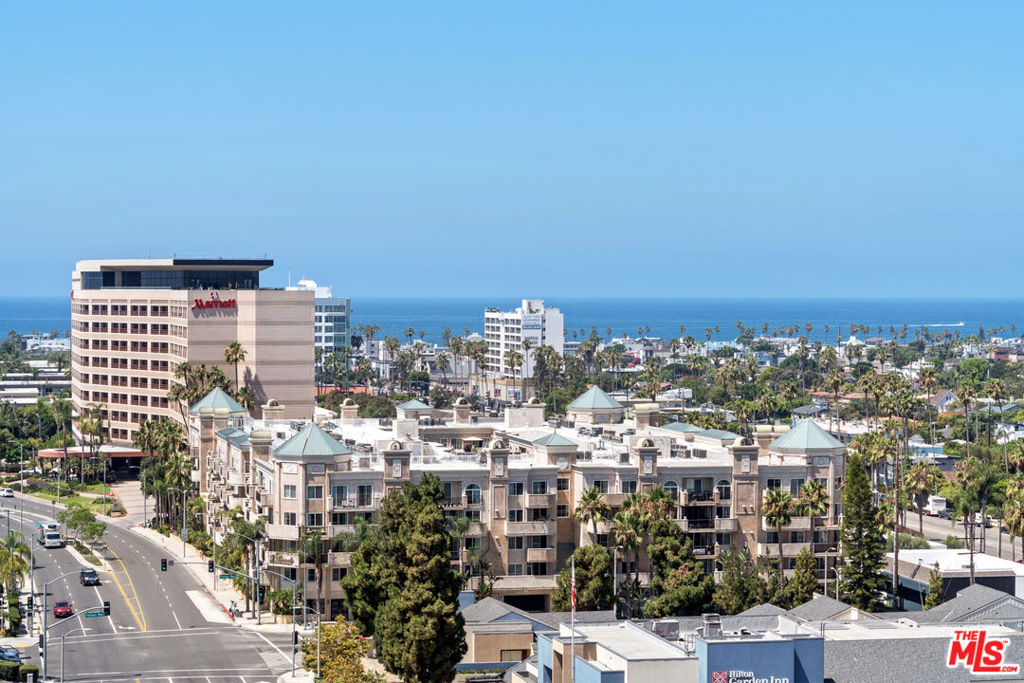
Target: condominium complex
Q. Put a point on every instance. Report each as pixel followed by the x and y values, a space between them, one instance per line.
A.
pixel 332 322
pixel 516 478
pixel 506 330
pixel 133 322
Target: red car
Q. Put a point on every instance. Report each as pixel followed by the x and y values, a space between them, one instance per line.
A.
pixel 62 609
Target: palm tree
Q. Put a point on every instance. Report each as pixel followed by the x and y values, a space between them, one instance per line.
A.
pixel 996 390
pixel 592 508
pixel 929 380
pixel 834 382
pixel 526 345
pixel 254 531
pixel 921 481
pixel 967 394
pixel 442 364
pixel 313 550
pixel 513 360
pixel 629 537
pixel 233 355
pixel 777 510
pixel 813 502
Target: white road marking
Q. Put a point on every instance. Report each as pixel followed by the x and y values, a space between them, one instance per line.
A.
pixel 279 651
pixel 207 608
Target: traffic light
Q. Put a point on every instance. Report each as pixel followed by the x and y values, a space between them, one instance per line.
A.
pixel 106 608
pixel 262 593
pixel 30 601
pixel 295 637
pixel 209 566
pixel 163 564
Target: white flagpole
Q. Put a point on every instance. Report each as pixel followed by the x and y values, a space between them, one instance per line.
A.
pixel 572 627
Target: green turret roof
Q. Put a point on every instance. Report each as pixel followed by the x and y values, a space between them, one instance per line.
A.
pixel 235 436
pixel 594 398
pixel 413 405
pixel 554 439
pixel 313 441
pixel 218 398
pixel 805 435
pixel 683 427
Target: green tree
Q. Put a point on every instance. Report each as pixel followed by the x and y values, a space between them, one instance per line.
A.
pixel 777 509
pixel 595 589
pixel 936 592
pixel 741 586
pixel 679 583
pixel 804 583
pixel 862 541
pixel 233 355
pixel 403 589
pixel 591 508
pixel 340 654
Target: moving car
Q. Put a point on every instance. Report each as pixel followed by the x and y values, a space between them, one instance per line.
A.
pixel 62 608
pixel 9 654
pixel 946 514
pixel 89 577
pixel 6 493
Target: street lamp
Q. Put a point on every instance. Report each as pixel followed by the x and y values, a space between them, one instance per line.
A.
pixel 830 550
pixel 181 530
pixel 62 637
pixel 257 608
pixel 295 589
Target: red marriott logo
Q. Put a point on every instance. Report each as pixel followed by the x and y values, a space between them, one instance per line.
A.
pixel 213 302
pixel 978 653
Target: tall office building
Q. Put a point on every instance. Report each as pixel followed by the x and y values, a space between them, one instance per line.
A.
pixel 133 322
pixel 332 317
pixel 506 330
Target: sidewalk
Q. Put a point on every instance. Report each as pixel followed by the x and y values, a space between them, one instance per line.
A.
pixel 129 494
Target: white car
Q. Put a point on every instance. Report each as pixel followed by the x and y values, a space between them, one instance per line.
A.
pixel 6 493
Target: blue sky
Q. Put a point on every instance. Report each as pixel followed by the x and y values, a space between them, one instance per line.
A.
pixel 542 149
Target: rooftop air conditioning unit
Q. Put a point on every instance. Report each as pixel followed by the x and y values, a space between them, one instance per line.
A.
pixel 666 628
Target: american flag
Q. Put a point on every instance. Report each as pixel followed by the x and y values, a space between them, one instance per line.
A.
pixel 572 590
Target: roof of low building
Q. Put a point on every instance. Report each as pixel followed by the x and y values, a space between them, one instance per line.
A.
pixel 413 404
pixel 217 399
pixel 805 435
pixel 554 439
pixel 592 399
pixel 235 436
pixel 683 427
pixel 311 440
pixel 819 608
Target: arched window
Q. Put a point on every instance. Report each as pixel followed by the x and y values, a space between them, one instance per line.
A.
pixel 473 494
pixel 724 489
pixel 672 489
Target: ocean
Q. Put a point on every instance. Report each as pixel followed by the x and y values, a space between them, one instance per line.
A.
pixel 624 315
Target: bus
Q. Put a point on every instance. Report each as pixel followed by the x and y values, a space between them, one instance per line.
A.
pixel 48 534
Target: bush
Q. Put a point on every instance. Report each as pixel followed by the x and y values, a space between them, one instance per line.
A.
pixel 201 541
pixel 954 542
pixel 27 669
pixel 908 542
pixel 9 671
pixel 13 622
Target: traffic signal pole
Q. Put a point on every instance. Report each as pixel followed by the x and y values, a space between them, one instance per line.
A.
pixel 42 632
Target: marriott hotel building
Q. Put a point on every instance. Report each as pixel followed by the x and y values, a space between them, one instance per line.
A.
pixel 133 322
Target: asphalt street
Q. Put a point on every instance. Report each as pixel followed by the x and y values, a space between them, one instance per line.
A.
pixel 936 529
pixel 162 626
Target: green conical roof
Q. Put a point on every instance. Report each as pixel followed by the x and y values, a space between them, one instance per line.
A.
pixel 805 435
pixel 413 405
pixel 683 427
pixel 218 398
pixel 594 398
pixel 554 439
pixel 311 440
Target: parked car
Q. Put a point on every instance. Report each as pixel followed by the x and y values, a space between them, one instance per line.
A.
pixel 62 608
pixel 9 654
pixel 6 493
pixel 946 514
pixel 89 577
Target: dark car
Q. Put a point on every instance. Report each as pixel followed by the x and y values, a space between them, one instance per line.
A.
pixel 89 577
pixel 946 514
pixel 9 654
pixel 62 609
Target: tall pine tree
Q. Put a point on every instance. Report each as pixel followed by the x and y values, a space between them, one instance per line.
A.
pixel 862 541
pixel 403 589
pixel 595 589
pixel 680 584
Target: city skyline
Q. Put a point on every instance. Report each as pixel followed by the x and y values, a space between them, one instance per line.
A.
pixel 687 151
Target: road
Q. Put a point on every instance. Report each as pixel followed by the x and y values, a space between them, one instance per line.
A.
pixel 937 529
pixel 162 626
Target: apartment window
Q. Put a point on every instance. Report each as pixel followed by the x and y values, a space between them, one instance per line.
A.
pixel 473 494
pixel 288 491
pixel 794 487
pixel 515 515
pixel 339 493
pixel 288 518
pixel 627 567
pixel 538 514
pixel 629 486
pixel 538 569
pixel 562 511
pixel 724 540
pixel 314 492
pixel 515 542
pixel 821 537
pixel 473 515
pixel 563 483
pixel 722 511
pixel 339 518
pixel 515 570
pixel 311 575
pixel 724 489
pixel 601 485
pixel 538 541
pixel 338 573
pixel 315 519
pixel 446 488
pixel 539 487
pixel 772 484
pixel 289 573
pixel 365 495
pixel 797 537
pixel 823 481
pixel 471 543
pixel 515 488
pixel 772 537
pixel 601 540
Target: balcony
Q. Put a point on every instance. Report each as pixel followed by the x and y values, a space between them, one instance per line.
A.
pixel 795 524
pixel 337 529
pixel 194 476
pixel 726 525
pixel 339 559
pixel 698 498
pixel 701 524
pixel 236 478
pixel 772 549
pixel 264 498
pixel 530 528
pixel 540 500
pixel 540 555
pixel 453 503
pixel 615 500
pixel 683 523
pixel 475 530
pixel 706 551
pixel 286 532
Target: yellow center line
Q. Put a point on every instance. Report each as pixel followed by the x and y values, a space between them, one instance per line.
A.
pixel 137 609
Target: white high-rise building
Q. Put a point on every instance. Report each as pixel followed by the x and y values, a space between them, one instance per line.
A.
pixel 506 330
pixel 332 317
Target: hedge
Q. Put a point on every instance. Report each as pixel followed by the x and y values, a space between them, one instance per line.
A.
pixel 9 671
pixel 13 622
pixel 27 669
